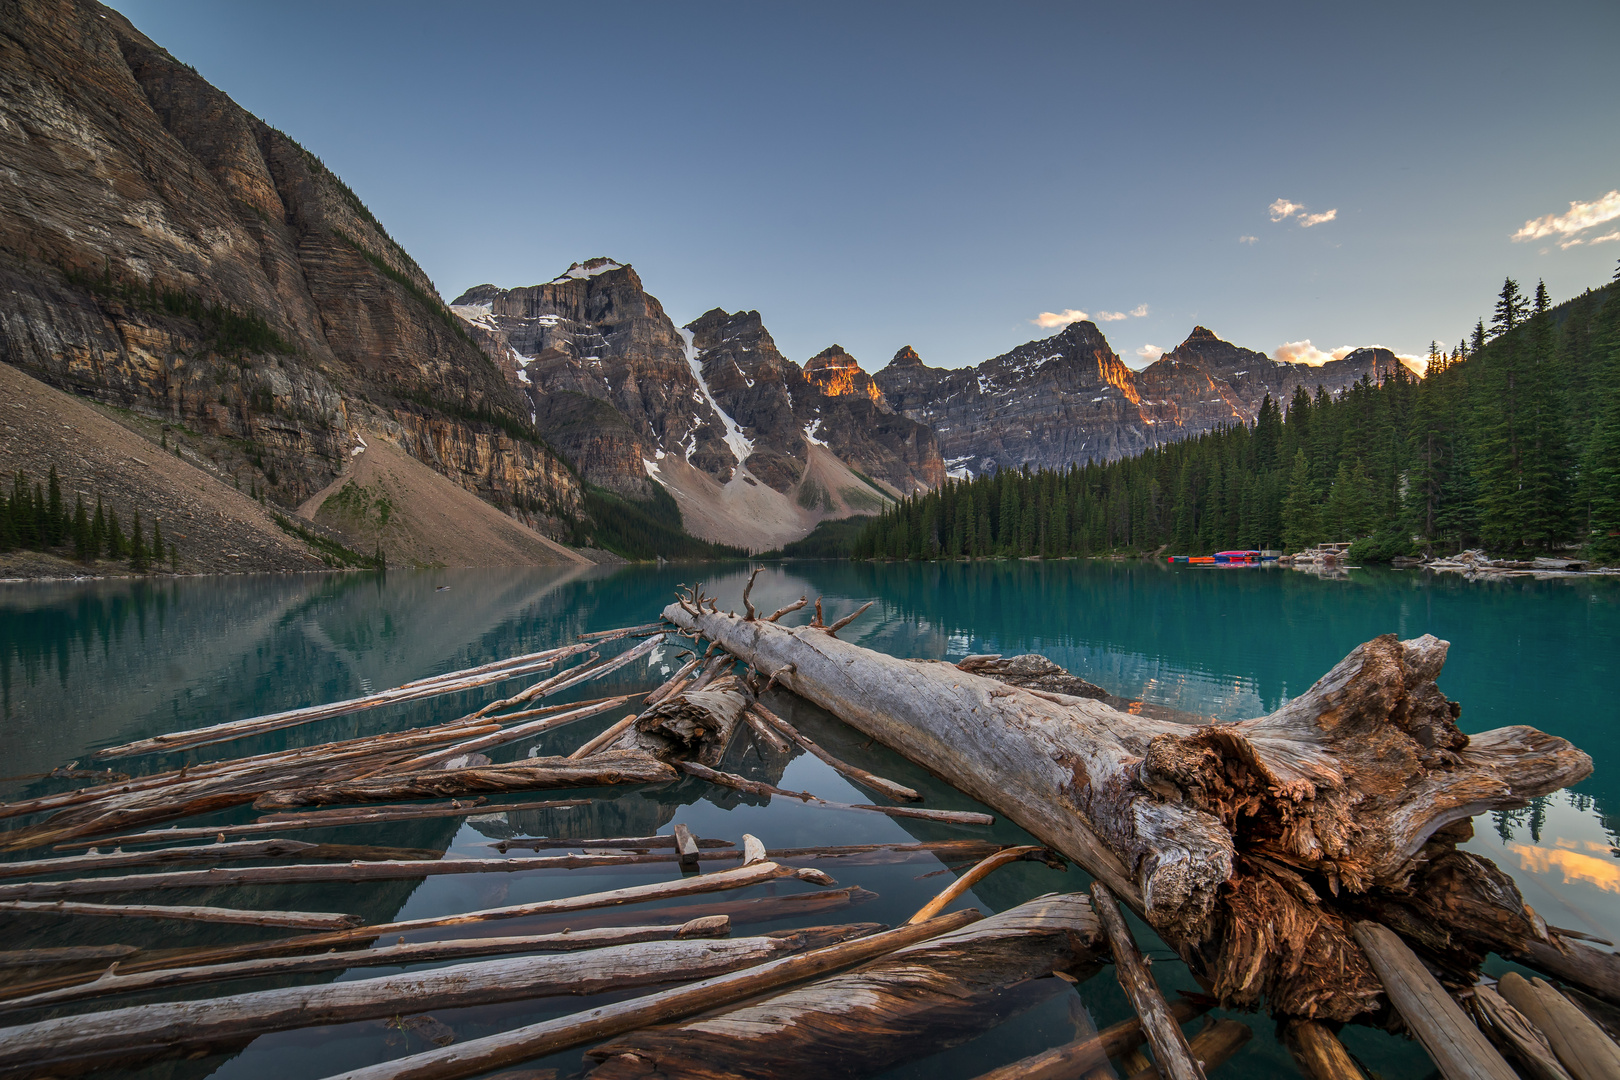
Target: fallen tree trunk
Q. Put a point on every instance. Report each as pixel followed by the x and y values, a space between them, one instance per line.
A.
pixel 532 774
pixel 186 1026
pixel 757 787
pixel 298 920
pixel 213 853
pixel 1080 1057
pixel 916 1001
pixel 1241 843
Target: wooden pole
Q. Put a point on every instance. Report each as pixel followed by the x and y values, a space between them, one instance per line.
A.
pixel 1456 1046
pixel 548 1037
pixel 898 792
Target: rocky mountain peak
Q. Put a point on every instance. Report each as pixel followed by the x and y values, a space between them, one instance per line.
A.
pixel 592 268
pixel 836 373
pixel 906 358
pixel 1200 333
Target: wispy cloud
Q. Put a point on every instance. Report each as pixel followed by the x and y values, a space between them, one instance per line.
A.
pixel 1283 209
pixel 1248 239
pixel 1111 316
pixel 1606 238
pixel 1051 319
pixel 1581 216
pixel 1139 311
pixel 1150 353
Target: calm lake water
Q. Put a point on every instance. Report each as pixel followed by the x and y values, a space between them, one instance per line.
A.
pixel 90 665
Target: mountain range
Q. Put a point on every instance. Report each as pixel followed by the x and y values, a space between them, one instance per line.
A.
pixel 210 286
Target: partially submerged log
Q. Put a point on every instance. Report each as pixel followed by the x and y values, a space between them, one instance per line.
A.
pixel 887 788
pixel 213 853
pixel 1212 1047
pixel 187 1026
pixel 531 774
pixel 757 787
pixel 299 920
pixel 332 819
pixel 1520 1041
pixel 548 1037
pixel 1456 1046
pixel 65 954
pixel 1243 844
pixel 1080 1057
pixel 1170 1050
pixel 912 1002
pixel 1580 1044
pixel 592 903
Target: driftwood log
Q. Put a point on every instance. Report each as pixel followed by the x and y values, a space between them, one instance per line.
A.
pixel 913 1002
pixel 385 956
pixel 548 1037
pixel 185 1026
pixel 1246 845
pixel 531 774
pixel 1083 1056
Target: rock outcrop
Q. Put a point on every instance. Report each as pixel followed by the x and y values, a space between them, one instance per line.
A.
pixel 1070 399
pixel 165 251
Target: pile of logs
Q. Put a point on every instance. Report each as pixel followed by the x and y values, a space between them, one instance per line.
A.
pixel 1304 863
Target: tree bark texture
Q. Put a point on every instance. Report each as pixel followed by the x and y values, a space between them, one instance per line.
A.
pixel 1241 843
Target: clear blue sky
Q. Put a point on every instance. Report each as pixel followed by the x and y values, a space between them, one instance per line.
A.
pixel 883 174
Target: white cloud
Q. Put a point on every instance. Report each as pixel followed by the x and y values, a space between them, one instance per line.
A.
pixel 1248 239
pixel 1605 238
pixel 1303 352
pixel 1307 220
pixel 1150 353
pixel 1139 311
pixel 1049 319
pixel 1566 245
pixel 1581 216
pixel 1282 210
pixel 1111 316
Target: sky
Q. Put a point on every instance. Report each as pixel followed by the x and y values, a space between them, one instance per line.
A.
pixel 963 178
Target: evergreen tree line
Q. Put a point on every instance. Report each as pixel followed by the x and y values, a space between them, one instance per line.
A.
pixel 1510 442
pixel 36 518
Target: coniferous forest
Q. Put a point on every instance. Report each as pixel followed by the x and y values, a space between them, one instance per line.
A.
pixel 1511 443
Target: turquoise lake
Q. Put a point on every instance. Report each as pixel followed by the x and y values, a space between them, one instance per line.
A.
pixel 87 665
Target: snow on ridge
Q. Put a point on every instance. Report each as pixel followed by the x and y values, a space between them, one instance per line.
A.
pixel 739 443
pixel 810 432
pixel 479 315
pixel 580 271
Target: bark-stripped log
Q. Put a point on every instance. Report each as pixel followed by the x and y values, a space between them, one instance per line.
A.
pixel 531 774
pixel 385 956
pixel 186 1026
pixel 757 787
pixel 298 920
pixel 550 1036
pixel 881 785
pixel 214 853
pixel 567 908
pixel 1175 1059
pixel 1520 1041
pixel 1240 843
pixel 1580 1044
pixel 912 1002
pixel 1212 1046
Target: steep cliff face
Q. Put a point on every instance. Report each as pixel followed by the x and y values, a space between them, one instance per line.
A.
pixel 164 251
pixel 1068 398
pixel 1046 403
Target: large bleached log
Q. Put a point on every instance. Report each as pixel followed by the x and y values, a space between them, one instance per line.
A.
pixel 180 1027
pixel 912 1002
pixel 531 774
pixel 1243 844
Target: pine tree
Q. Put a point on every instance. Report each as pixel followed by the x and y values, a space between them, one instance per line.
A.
pixel 1512 307
pixel 8 531
pixel 1600 479
pixel 81 531
pixel 1301 523
pixel 56 518
pixel 137 546
pixel 98 531
pixel 116 544
pixel 157 541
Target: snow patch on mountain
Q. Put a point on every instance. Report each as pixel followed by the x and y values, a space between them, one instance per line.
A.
pixel 739 443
